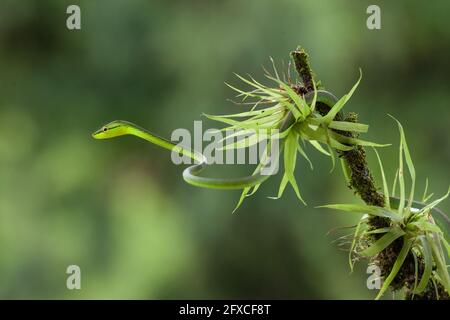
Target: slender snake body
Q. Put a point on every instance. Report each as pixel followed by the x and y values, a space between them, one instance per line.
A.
pixel 191 173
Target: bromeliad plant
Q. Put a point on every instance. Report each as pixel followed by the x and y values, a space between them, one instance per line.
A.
pixel 293 114
pixel 409 224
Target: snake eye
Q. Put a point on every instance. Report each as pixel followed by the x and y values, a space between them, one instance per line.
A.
pixel 105 129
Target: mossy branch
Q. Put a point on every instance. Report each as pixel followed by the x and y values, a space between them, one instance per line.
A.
pixel 301 61
pixel 361 179
pixel 362 182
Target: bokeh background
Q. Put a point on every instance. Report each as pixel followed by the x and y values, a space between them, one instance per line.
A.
pixel 119 208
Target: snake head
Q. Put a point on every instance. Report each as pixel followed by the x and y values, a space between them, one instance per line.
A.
pixel 111 130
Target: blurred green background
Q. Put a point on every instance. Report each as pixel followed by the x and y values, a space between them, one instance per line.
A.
pixel 119 208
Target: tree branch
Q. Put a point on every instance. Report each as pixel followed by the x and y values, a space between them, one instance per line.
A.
pixel 362 182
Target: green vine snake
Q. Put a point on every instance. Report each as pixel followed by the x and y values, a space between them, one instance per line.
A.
pixel 191 174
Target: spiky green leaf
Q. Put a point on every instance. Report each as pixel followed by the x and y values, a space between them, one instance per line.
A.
pixel 385 186
pixel 341 102
pixel 428 263
pixel 395 268
pixel 383 242
pixel 361 208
